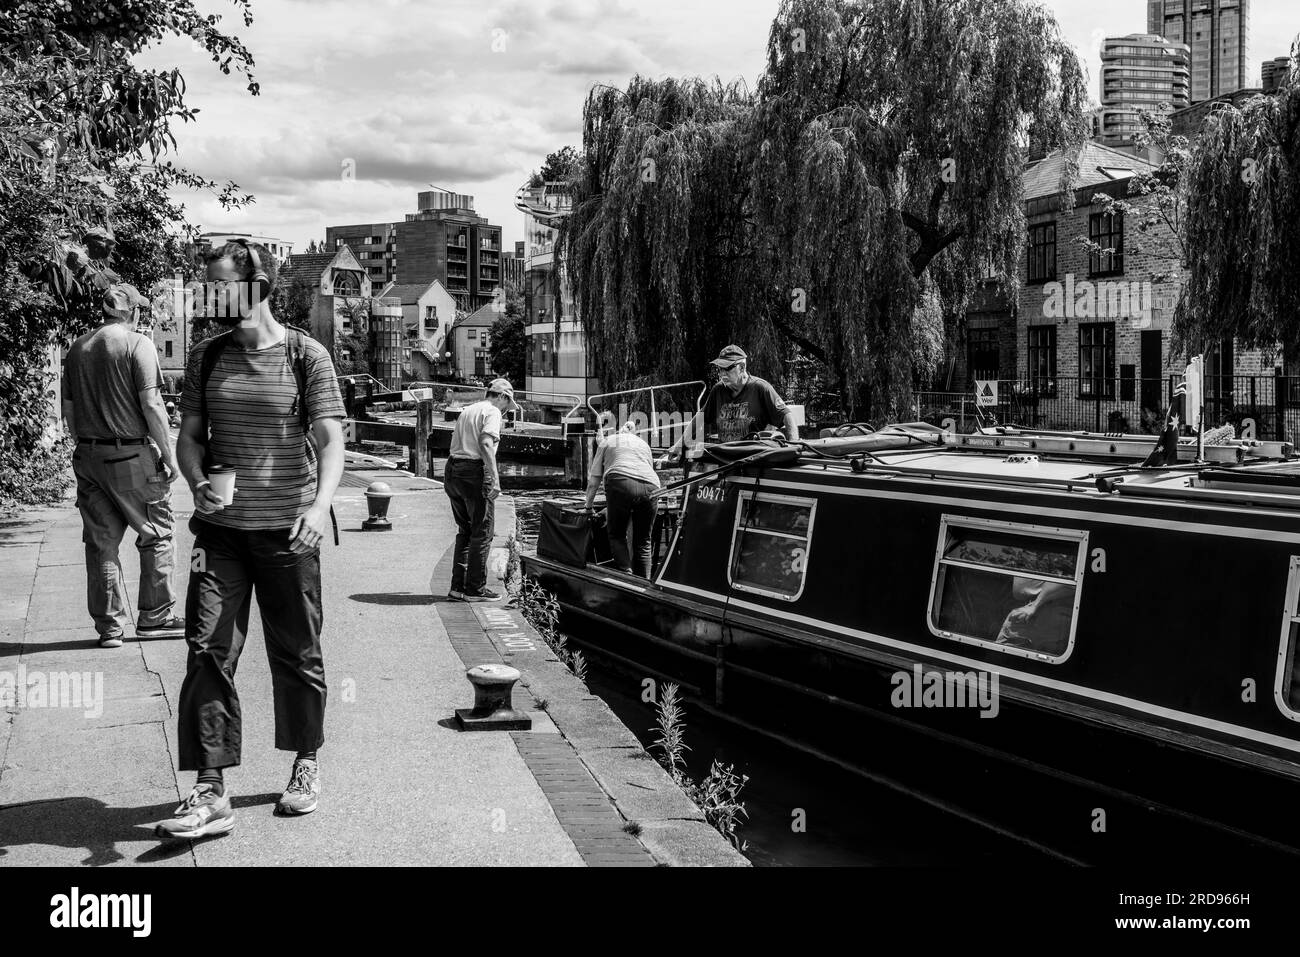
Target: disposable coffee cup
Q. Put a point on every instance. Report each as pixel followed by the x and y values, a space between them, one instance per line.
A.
pixel 222 478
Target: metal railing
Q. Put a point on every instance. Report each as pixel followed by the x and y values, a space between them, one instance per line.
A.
pixel 530 402
pixel 655 426
pixel 1264 406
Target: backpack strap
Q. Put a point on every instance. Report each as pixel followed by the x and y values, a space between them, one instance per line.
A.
pixel 216 346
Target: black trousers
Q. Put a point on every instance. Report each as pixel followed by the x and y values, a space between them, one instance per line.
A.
pixel 475 516
pixel 226 567
pixel 629 501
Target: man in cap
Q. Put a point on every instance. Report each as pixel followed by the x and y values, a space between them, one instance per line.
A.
pixel 738 405
pixel 473 483
pixel 124 466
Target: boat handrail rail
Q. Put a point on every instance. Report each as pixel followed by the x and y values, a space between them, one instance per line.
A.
pixel 1115 445
pixel 654 426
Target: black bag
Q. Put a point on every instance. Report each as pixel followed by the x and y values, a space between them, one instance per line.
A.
pixel 564 534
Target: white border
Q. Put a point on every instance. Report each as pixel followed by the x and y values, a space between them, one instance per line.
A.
pixel 741 499
pixel 1037 531
pixel 1289 617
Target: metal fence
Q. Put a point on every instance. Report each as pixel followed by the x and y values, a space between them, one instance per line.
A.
pixel 1265 407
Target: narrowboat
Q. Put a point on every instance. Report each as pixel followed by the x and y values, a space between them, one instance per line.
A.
pixel 1043 599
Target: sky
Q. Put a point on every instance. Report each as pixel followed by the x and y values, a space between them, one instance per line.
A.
pixel 365 104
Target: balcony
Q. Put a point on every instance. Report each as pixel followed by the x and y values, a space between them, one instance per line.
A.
pixel 459 241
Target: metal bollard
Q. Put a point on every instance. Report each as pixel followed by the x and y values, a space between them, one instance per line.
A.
pixel 493 710
pixel 378 496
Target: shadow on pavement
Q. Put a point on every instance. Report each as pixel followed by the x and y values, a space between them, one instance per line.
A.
pixel 88 823
pixel 80 823
pixel 12 649
pixel 399 598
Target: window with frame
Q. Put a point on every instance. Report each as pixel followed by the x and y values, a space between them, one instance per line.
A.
pixel 1042 252
pixel 982 353
pixel 770 544
pixel 1106 230
pixel 1042 360
pixel 1097 360
pixel 167 349
pixel 1007 586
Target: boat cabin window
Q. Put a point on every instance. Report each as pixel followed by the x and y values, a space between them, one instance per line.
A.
pixel 1007 586
pixel 1287 690
pixel 769 544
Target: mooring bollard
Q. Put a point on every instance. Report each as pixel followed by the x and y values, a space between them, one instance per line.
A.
pixel 493 710
pixel 378 495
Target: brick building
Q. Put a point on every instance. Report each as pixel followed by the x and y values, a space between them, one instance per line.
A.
pixel 469 342
pixel 428 312
pixel 1086 342
pixel 444 240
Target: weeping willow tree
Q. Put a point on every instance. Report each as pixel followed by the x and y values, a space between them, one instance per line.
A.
pixel 1242 232
pixel 837 212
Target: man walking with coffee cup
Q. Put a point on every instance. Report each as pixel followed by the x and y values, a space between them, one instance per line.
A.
pixel 124 467
pixel 262 447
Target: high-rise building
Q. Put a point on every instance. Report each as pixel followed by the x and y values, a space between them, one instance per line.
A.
pixel 1140 71
pixel 1218 34
pixel 1273 72
pixel 443 240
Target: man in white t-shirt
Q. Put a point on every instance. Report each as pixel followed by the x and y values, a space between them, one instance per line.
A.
pixel 472 484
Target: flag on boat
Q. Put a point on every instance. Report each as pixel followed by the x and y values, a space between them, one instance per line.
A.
pixel 1166 450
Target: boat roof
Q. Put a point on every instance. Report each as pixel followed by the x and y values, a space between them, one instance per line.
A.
pixel 1077 462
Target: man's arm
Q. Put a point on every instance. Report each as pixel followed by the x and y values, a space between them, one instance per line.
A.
pixel 309 529
pixel 67 417
pixel 155 417
pixel 791 430
pixel 595 474
pixel 189 456
pixel 694 432
pixel 487 444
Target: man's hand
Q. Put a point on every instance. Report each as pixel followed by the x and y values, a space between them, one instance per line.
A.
pixel 171 470
pixel 490 491
pixel 206 500
pixel 308 532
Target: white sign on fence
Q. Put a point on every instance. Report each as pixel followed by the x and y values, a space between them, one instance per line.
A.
pixel 986 392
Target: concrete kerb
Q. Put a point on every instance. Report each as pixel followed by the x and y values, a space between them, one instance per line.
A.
pixel 673 828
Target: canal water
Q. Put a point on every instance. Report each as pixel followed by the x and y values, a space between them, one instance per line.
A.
pixel 802 810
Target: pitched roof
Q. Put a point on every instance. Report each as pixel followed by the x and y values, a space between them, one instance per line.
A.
pixel 484 315
pixel 408 292
pixel 1097 164
pixel 309 266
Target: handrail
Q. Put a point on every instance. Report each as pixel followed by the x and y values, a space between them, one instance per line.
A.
pixel 654 418
pixel 521 395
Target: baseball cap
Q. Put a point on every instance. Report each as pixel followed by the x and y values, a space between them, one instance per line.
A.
pixel 506 389
pixel 729 356
pixel 121 300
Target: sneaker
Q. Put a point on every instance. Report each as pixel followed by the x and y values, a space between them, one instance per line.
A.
pixel 304 788
pixel 483 594
pixel 456 594
pixel 171 628
pixel 200 814
pixel 110 641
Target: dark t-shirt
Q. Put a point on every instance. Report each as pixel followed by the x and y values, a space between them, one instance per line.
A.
pixel 251 410
pixel 105 372
pixel 735 415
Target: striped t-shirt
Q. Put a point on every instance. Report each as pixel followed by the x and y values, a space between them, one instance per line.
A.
pixel 256 429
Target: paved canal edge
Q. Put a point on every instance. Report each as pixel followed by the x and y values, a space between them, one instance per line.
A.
pixel 618 806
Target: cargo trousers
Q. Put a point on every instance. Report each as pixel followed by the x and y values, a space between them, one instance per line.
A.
pixel 121 487
pixel 227 566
